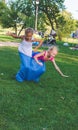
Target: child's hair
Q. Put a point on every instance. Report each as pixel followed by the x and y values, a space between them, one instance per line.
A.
pixel 28 30
pixel 53 47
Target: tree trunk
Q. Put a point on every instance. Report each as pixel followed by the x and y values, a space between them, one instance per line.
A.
pixel 20 30
pixel 15 29
pixel 58 31
pixel 51 23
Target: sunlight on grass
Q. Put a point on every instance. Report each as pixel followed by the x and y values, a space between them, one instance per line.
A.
pixel 6 38
pixel 70 40
pixel 68 57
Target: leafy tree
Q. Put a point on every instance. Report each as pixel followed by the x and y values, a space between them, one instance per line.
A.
pixel 51 11
pixel 16 13
pixel 22 13
pixel 26 14
pixel 9 17
pixel 76 23
pixel 51 8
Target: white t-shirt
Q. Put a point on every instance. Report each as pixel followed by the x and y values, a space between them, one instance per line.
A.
pixel 26 48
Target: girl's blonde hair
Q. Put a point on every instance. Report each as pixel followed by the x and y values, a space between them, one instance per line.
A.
pixel 53 47
pixel 28 30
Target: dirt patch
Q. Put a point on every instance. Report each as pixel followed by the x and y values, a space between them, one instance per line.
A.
pixel 11 44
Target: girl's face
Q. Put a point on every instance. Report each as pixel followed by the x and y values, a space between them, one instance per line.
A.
pixel 53 52
pixel 29 36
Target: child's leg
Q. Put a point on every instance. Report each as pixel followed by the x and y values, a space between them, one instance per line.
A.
pixel 29 69
pixel 20 74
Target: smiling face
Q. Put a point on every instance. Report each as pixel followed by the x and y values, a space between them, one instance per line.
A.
pixel 53 51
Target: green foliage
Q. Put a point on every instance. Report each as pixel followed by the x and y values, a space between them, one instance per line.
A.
pixel 66 24
pixel 9 16
pixel 2 9
pixel 77 23
pixel 51 8
pixel 16 12
pixel 17 9
pixel 52 13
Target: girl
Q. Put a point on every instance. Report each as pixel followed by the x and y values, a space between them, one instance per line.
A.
pixel 25 52
pixel 49 55
pixel 26 46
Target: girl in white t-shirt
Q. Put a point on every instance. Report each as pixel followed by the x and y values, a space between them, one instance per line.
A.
pixel 25 52
pixel 25 46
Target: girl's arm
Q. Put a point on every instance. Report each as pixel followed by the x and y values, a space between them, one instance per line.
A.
pixel 14 35
pixel 36 58
pixel 40 43
pixel 58 69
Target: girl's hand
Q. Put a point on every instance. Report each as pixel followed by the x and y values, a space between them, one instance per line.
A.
pixel 40 63
pixel 35 50
pixel 64 75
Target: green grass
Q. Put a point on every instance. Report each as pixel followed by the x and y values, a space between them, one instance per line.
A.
pixel 6 38
pixel 51 104
pixel 70 40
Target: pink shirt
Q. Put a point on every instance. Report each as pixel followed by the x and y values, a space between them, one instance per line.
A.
pixel 42 57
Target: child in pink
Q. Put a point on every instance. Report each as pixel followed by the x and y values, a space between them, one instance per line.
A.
pixel 49 55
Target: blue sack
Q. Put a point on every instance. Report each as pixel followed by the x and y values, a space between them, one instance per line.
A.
pixel 29 70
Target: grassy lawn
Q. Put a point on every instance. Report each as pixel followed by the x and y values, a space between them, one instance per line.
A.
pixel 6 38
pixel 51 104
